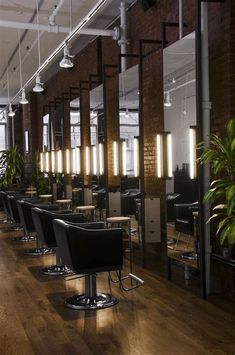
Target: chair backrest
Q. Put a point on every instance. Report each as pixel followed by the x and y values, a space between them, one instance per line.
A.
pixel 44 227
pixel 25 207
pixel 13 208
pixel 5 203
pixel 90 250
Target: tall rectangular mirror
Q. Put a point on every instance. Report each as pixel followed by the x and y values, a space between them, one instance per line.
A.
pixel 129 148
pixel 96 149
pixel 180 125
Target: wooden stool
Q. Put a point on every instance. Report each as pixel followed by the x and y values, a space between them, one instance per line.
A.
pixel 46 198
pixel 64 204
pixel 87 210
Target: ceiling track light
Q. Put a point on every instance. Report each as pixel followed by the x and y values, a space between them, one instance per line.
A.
pixel 23 100
pixel 167 100
pixel 38 86
pixel 11 113
pixel 66 62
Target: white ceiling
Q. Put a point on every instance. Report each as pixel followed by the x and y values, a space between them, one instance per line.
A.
pixel 25 11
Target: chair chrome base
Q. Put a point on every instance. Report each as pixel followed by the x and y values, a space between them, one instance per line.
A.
pixel 189 255
pixel 24 239
pixel 85 302
pixel 39 251
pixel 56 270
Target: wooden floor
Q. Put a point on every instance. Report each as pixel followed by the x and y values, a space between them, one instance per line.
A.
pixel 158 318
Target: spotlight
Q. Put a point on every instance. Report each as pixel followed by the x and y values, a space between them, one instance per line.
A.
pixel 66 62
pixel 167 100
pixel 11 113
pixel 23 100
pixel 38 87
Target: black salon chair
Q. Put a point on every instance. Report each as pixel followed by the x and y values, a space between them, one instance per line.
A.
pixel 12 202
pixel 88 250
pixel 184 223
pixel 24 209
pixel 6 209
pixel 42 220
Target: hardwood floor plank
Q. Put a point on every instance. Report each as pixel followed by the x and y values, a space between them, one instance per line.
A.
pixel 156 319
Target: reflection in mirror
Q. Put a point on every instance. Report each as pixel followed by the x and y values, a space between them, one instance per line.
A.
pixel 46 132
pixel 75 126
pixel 97 139
pixel 129 133
pixel 59 127
pixel 75 138
pixel 180 122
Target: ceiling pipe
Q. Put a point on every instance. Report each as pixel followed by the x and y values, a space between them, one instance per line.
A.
pixel 58 29
pixel 181 25
pixel 77 30
pixel 52 17
pixel 123 34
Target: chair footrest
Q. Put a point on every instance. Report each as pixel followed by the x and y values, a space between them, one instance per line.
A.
pixel 84 302
pixel 39 251
pixel 56 270
pixel 24 239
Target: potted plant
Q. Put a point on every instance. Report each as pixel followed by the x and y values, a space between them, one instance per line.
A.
pixel 38 177
pixel 12 163
pixel 221 195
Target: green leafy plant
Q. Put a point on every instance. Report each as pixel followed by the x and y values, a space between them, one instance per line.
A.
pixel 38 177
pixel 221 195
pixel 12 163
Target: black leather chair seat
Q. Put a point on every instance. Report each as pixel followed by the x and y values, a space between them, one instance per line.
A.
pixel 90 251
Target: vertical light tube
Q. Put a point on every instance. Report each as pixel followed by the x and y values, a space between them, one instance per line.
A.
pixel 67 161
pixel 169 155
pixel 47 162
pixel 42 162
pixel 115 159
pixel 87 155
pixel 124 158
pixel 136 157
pixel 94 160
pixel 53 162
pixel 59 156
pixel 159 151
pixel 192 153
pixel 26 136
pixel 78 160
pixel 101 158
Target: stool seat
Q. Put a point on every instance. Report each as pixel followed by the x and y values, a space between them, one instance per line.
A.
pixel 45 196
pixel 118 219
pixel 85 208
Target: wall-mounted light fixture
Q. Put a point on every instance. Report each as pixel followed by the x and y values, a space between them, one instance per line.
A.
pixel 94 160
pixel 67 161
pixel 115 158
pixel 53 161
pixel 164 155
pixel 101 158
pixel 87 160
pixel 26 141
pixel 124 157
pixel 76 161
pixel 41 161
pixel 136 157
pixel 47 162
pixel 59 161
pixel 192 152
